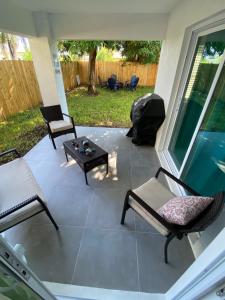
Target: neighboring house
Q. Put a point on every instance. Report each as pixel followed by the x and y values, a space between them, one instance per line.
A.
pixel 191 142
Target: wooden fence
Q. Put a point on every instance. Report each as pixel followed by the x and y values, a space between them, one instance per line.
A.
pixel 19 88
pixel 146 73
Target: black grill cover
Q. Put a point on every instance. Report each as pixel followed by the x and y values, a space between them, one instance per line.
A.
pixel 147 114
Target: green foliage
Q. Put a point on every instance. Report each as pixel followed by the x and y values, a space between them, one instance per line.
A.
pixel 3 39
pixel 11 41
pixel 71 49
pixel 105 54
pixel 214 48
pixel 135 51
pixel 141 51
pixel 27 55
pixel 22 131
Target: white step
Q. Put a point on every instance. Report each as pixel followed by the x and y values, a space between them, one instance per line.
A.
pixel 75 292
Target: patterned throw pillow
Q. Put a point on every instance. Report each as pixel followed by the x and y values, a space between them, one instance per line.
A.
pixel 182 210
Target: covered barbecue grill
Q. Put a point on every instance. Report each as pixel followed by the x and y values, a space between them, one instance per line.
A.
pixel 147 115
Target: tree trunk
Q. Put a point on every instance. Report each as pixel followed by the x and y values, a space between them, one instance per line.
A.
pixel 11 46
pixel 91 72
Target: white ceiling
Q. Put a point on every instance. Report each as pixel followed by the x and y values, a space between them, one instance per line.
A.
pixel 98 6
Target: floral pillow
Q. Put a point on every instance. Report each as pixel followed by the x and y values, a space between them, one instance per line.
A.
pixel 182 210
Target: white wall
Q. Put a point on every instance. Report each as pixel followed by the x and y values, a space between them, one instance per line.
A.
pixel 109 26
pixel 16 20
pixel 185 15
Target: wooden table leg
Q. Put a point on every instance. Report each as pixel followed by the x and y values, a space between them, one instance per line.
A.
pixel 66 155
pixel 85 175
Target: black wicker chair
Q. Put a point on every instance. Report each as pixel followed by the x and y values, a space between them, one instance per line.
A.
pixel 146 199
pixel 56 125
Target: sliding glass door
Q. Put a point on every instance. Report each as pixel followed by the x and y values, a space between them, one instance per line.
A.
pixel 197 145
pixel 207 57
pixel 205 168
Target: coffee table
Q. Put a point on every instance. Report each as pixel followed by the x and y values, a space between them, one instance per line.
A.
pixel 87 163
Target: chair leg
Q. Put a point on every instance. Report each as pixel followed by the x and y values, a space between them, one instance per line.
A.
pixel 53 142
pixel 125 208
pixel 50 217
pixel 75 133
pixel 168 240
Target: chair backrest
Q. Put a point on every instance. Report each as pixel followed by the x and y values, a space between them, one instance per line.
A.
pixel 112 83
pixel 114 76
pixel 134 82
pixel 208 216
pixel 133 77
pixel 52 113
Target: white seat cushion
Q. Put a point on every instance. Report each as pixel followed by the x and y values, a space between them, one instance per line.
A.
pixel 60 125
pixel 17 184
pixel 155 195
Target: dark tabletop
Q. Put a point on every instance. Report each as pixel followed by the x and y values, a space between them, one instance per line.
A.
pixel 99 152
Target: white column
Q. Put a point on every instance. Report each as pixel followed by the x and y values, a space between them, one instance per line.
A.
pixel 48 71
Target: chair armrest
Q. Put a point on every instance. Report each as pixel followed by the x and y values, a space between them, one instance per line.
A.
pixel 45 120
pixel 47 124
pixel 71 118
pixel 150 210
pixel 184 185
pixel 21 205
pixel 10 151
pixel 67 115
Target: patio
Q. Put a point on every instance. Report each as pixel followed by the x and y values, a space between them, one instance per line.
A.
pixel 91 247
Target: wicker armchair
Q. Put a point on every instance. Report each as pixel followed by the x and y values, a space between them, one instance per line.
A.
pixel 56 125
pixel 146 199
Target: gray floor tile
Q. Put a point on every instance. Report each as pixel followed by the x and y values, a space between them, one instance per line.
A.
pixel 143 156
pixel 107 259
pixel 106 210
pixel 155 275
pixel 50 254
pixel 107 256
pixel 70 206
pixel 143 226
pixel 140 175
pixel 118 176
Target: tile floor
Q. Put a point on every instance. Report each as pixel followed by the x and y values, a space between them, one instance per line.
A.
pixel 91 247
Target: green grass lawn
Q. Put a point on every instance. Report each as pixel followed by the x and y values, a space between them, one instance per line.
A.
pixel 109 108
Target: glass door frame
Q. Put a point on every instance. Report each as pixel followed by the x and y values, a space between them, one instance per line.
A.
pixel 205 107
pixel 11 261
pixel 195 34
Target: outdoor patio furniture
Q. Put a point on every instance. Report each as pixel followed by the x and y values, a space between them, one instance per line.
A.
pixel 132 84
pixel 86 160
pixel 149 197
pixel 56 125
pixel 114 84
pixel 21 196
